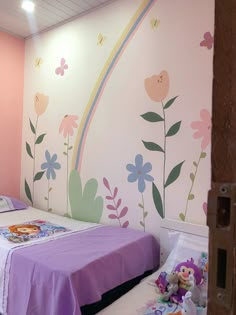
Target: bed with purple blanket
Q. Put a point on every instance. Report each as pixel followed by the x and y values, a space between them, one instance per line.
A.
pixel 53 265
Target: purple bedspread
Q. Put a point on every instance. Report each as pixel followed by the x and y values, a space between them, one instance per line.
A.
pixel 60 276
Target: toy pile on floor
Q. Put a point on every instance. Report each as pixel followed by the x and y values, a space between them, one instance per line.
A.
pixel 183 291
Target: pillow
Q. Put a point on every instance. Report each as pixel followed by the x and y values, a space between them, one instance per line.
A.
pixel 10 204
pixel 187 246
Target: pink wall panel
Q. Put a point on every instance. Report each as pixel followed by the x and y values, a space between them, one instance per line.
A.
pixel 11 109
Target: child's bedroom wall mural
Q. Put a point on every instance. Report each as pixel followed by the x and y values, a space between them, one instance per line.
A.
pixel 117 114
pixel 11 102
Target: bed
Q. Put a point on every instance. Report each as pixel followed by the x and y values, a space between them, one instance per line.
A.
pixel 177 240
pixel 71 265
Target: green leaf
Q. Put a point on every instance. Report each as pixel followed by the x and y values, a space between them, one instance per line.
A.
pixel 157 200
pixel 71 147
pixel 32 127
pixel 192 177
pixel 28 149
pixel 50 210
pixel 40 138
pixel 141 223
pixel 64 153
pixel 145 214
pixel 67 215
pixel 173 129
pixel 45 198
pixel 203 155
pixel 191 196
pixel 65 144
pixel 151 146
pixel 182 216
pixel 38 176
pixel 50 189
pixel 152 117
pixel 170 102
pixel 28 192
pixel 174 174
pixel 195 164
pixel 140 205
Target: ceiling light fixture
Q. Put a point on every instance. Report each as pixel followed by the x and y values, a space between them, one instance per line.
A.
pixel 28 6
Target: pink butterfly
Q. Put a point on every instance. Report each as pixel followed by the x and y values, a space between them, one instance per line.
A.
pixel 208 40
pixel 63 66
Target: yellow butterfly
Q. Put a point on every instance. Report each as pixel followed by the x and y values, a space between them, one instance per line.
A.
pixel 101 39
pixel 154 23
pixel 38 62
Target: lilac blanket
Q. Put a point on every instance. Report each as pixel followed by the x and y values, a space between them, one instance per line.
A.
pixel 60 276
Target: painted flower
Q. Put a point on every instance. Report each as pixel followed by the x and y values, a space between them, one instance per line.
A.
pixel 40 103
pixel 208 40
pixel 67 125
pixel 139 172
pixel 157 87
pixel 51 165
pixel 203 128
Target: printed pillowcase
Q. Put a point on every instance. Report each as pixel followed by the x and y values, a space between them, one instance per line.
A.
pixel 10 204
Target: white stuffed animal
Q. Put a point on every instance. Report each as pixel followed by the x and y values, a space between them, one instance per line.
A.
pixel 188 306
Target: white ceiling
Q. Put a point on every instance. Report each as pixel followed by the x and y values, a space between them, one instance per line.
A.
pixel 47 14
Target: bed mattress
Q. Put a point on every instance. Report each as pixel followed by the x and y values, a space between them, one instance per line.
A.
pixel 60 274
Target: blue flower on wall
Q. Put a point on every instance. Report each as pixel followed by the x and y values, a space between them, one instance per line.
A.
pixel 50 166
pixel 139 172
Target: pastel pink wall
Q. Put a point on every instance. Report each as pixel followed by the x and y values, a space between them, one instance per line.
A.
pixel 11 108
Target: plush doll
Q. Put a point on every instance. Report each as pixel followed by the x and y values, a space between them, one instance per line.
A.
pixel 189 276
pixel 172 287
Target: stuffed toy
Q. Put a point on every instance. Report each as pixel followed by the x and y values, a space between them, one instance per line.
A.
pixel 189 277
pixel 172 287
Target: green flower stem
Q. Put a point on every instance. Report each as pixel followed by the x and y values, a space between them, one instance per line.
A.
pixel 143 206
pixel 164 164
pixel 67 174
pixel 35 137
pixel 115 205
pixel 191 187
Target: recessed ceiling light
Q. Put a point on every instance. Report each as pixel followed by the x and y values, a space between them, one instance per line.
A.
pixel 28 6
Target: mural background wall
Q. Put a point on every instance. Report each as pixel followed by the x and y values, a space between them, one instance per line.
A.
pixel 117 114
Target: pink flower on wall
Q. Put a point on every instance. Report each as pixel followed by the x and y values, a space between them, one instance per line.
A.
pixel 202 131
pixel 67 126
pixel 203 128
pixel 208 40
pixel 61 69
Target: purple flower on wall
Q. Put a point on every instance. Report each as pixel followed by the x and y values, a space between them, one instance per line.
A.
pixel 50 166
pixel 208 40
pixel 61 69
pixel 139 172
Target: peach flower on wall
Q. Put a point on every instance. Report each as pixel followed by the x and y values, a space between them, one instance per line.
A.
pixel 157 87
pixel 40 103
pixel 67 126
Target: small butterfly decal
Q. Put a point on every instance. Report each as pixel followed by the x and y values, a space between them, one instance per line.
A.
pixel 60 70
pixel 101 39
pixel 208 40
pixel 154 23
pixel 38 62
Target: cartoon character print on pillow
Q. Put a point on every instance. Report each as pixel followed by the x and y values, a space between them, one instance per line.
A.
pixel 189 277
